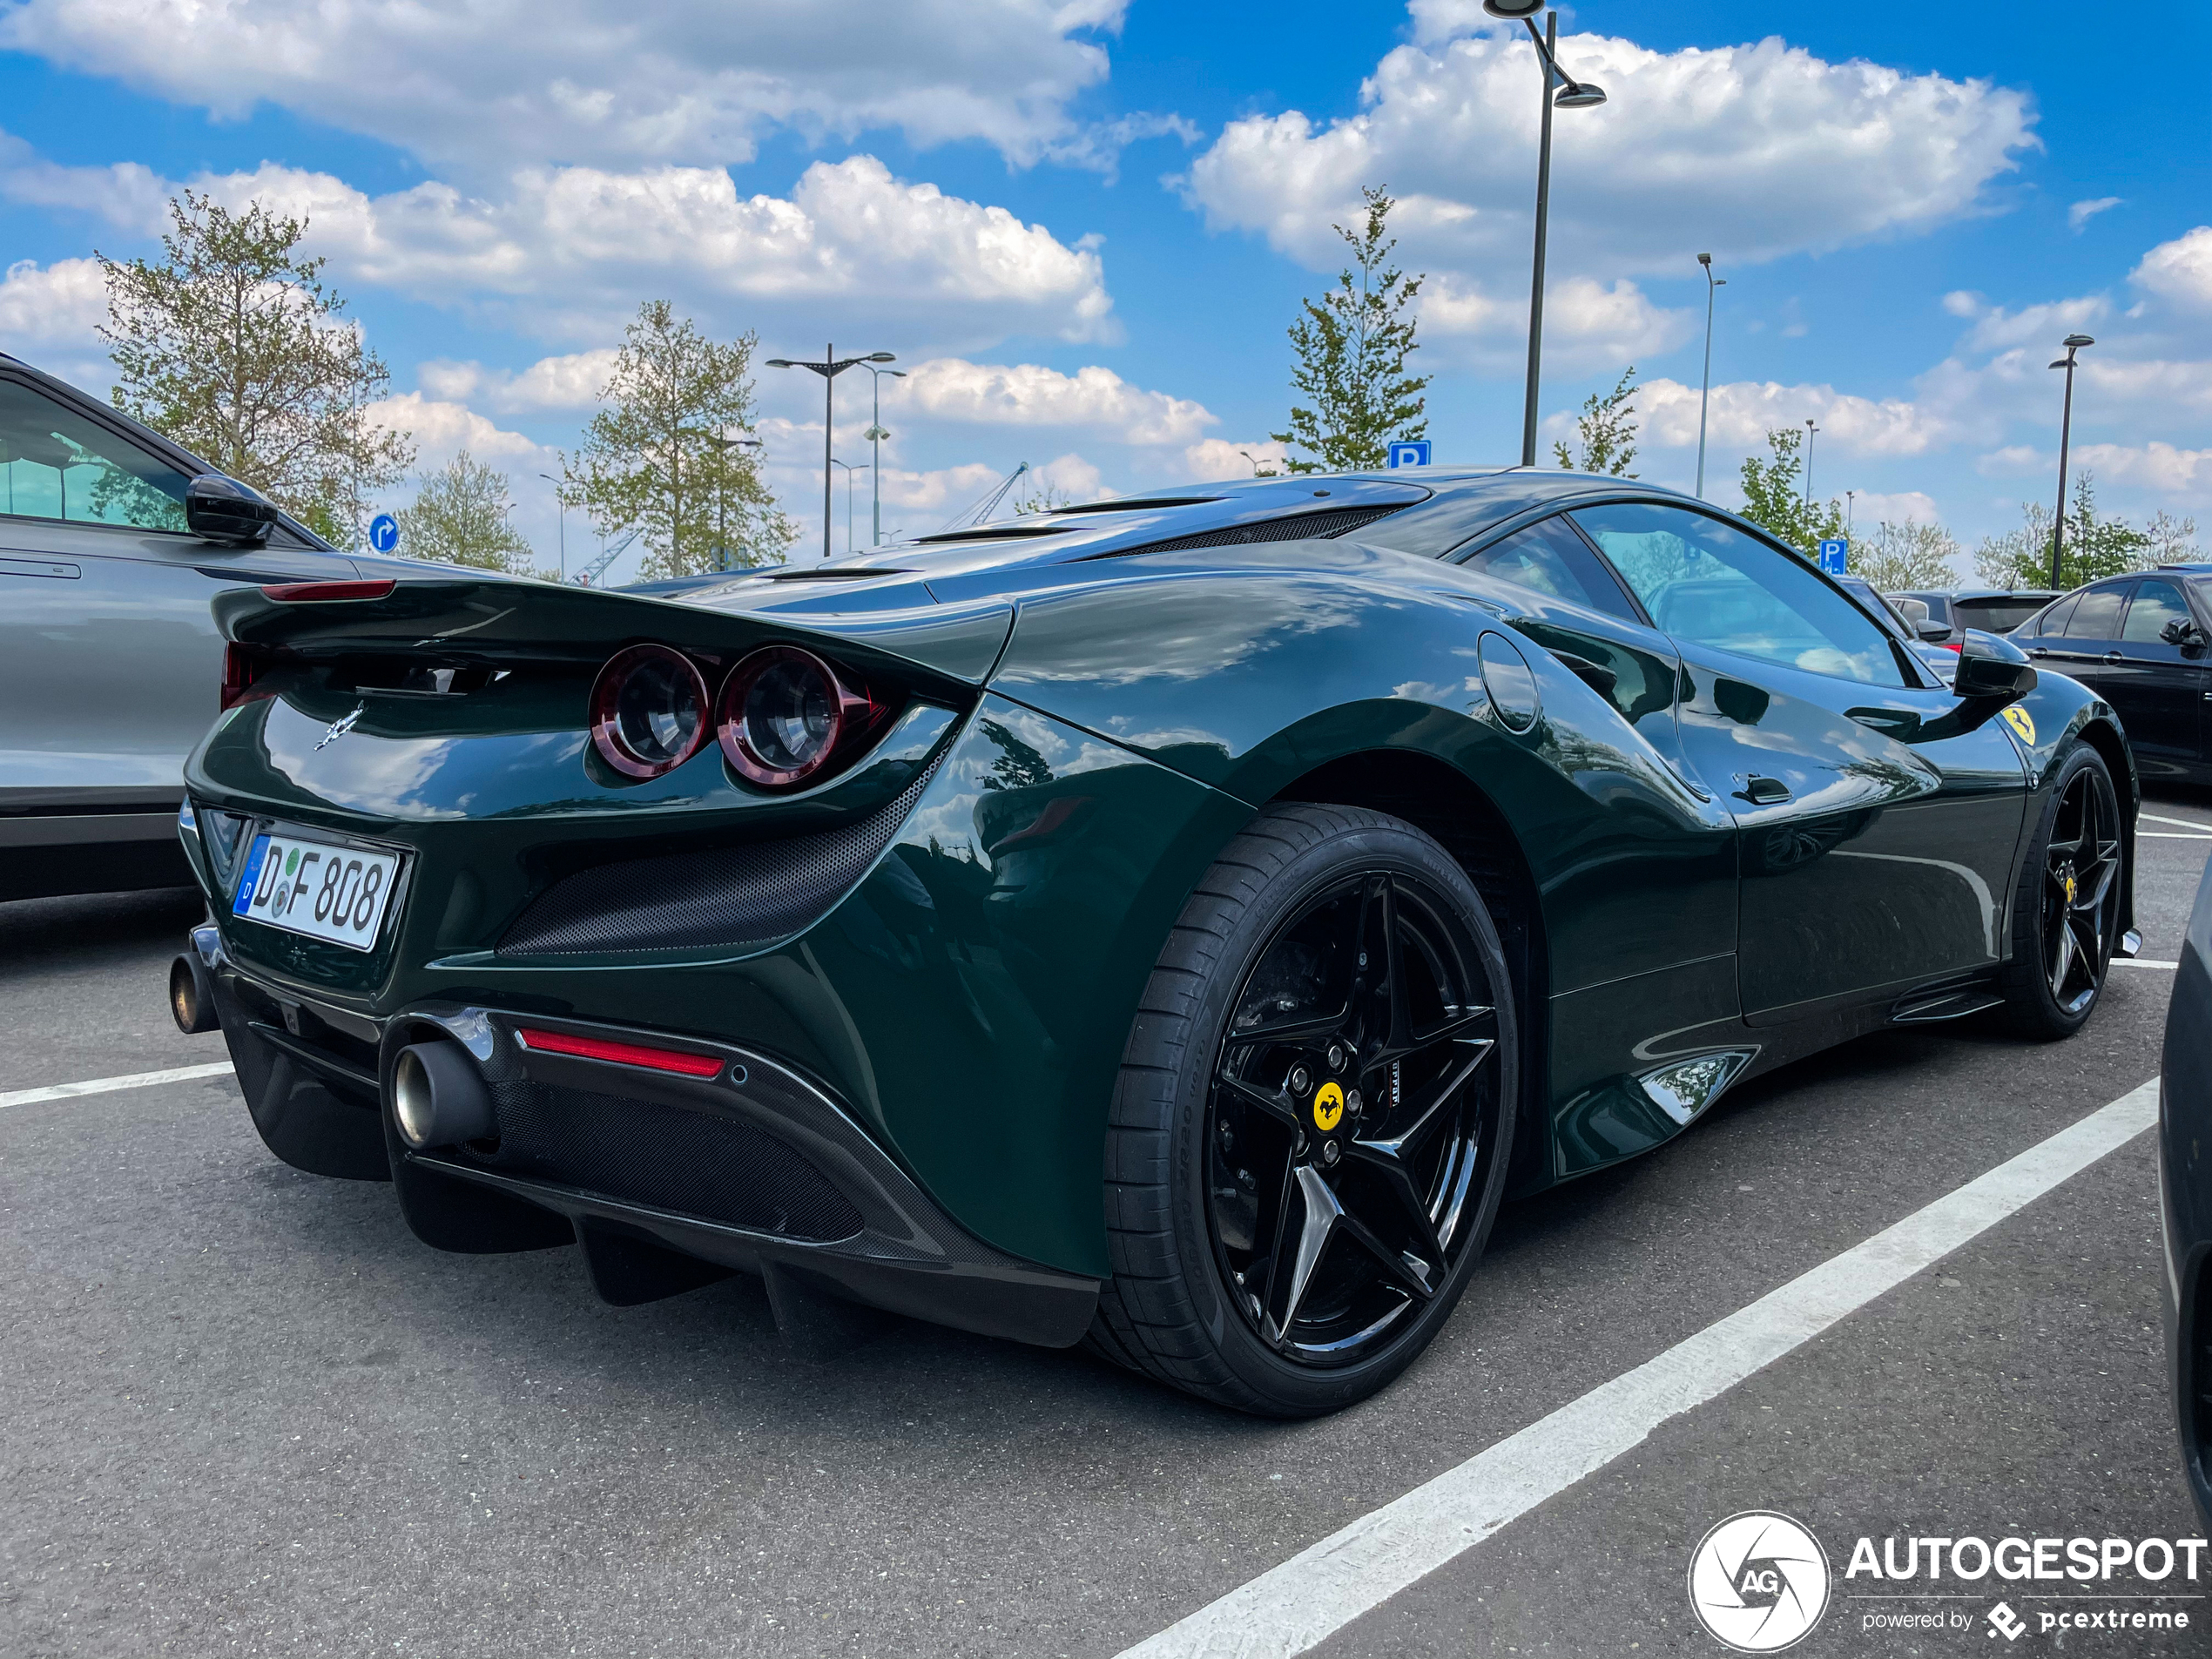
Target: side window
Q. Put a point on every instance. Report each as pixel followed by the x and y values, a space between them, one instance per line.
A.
pixel 2156 603
pixel 1704 582
pixel 1551 559
pixel 2051 623
pixel 57 464
pixel 2096 615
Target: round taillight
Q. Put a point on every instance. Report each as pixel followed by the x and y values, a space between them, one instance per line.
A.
pixel 783 714
pixel 649 711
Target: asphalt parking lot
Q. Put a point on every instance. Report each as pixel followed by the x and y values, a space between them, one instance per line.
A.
pixel 243 1411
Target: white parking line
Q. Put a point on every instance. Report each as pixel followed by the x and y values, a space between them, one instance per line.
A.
pixel 2186 823
pixel 1301 1603
pixel 102 1085
pixel 2169 835
pixel 2142 961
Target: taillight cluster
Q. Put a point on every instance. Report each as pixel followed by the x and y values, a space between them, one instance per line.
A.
pixel 784 716
pixel 242 665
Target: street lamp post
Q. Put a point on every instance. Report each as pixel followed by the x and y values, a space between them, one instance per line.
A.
pixel 561 511
pixel 1705 391
pixel 829 369
pixel 875 436
pixel 2072 344
pixel 834 462
pixel 1810 430
pixel 1571 95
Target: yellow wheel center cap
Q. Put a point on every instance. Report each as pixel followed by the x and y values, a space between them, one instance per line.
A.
pixel 1328 1107
pixel 2069 889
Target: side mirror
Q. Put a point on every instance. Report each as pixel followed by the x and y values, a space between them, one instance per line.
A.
pixel 2183 634
pixel 1932 632
pixel 1991 669
pixel 217 509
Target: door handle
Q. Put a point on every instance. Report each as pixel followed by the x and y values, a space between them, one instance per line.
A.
pixel 2114 658
pixel 1762 792
pixel 2037 651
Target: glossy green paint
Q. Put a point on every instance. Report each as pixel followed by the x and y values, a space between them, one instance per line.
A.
pixel 1095 745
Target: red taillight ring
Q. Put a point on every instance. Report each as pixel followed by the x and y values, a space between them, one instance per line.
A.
pixel 606 728
pixel 851 712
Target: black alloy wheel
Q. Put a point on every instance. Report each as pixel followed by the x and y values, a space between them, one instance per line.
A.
pixel 1310 1133
pixel 1349 1116
pixel 2067 910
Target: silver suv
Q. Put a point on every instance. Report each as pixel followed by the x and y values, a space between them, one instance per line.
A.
pixel 113 541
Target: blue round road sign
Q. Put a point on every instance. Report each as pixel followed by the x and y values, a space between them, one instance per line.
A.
pixel 383 532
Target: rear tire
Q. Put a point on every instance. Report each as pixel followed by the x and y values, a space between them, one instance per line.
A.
pixel 1311 1128
pixel 2065 910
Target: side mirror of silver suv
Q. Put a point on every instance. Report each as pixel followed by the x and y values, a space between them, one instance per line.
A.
pixel 217 509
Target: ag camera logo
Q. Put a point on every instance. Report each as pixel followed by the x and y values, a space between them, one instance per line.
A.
pixel 1758 1581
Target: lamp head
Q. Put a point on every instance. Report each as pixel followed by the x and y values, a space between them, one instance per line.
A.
pixel 881 357
pixel 1513 10
pixel 1704 259
pixel 2074 342
pixel 896 374
pixel 779 362
pixel 1579 95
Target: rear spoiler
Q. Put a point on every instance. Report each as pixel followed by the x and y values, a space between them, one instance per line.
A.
pixel 499 620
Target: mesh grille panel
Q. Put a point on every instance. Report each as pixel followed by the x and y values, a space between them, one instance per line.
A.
pixel 728 897
pixel 691 1163
pixel 1329 521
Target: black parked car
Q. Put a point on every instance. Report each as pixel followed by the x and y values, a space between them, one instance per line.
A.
pixel 1995 611
pixel 2140 642
pixel 2185 1192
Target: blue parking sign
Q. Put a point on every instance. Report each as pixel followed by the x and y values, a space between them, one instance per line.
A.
pixel 383 532
pixel 1409 452
pixel 1834 554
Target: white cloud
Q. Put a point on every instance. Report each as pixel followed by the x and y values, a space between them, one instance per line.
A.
pixel 499 84
pixel 1586 325
pixel 2079 215
pixel 2179 271
pixel 1996 328
pixel 570 382
pixel 1215 460
pixel 1752 152
pixel 442 429
pixel 1744 412
pixel 572 249
pixel 1872 507
pixel 61 305
pixel 127 195
pixel 2156 465
pixel 1026 394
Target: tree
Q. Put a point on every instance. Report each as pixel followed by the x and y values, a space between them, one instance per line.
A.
pixel 2095 546
pixel 232 346
pixel 460 517
pixel 657 459
pixel 1773 500
pixel 1606 430
pixel 1911 555
pixel 1045 498
pixel 1352 345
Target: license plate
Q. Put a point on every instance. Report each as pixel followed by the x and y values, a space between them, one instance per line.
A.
pixel 318 889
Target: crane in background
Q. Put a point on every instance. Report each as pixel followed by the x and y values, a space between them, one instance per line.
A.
pixel 607 555
pixel 982 511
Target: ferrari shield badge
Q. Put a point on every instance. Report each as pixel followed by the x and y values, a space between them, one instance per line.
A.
pixel 2022 721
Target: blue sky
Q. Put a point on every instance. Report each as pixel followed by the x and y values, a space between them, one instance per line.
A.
pixel 1086 226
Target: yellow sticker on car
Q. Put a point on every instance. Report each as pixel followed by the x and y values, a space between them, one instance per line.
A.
pixel 1328 1107
pixel 2022 721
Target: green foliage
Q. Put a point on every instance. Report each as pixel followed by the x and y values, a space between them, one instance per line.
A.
pixel 1045 498
pixel 1911 555
pixel 1606 431
pixel 1774 498
pixel 460 517
pixel 651 461
pixel 1352 345
pixel 2095 545
pixel 232 346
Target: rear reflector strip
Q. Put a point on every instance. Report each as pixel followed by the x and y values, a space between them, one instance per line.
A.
pixel 623 1053
pixel 294 593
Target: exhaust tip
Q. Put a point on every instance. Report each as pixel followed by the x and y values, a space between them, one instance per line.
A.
pixel 438 1099
pixel 192 998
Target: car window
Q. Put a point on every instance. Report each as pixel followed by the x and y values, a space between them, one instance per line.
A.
pixel 1703 581
pixel 2096 614
pixel 2052 622
pixel 1551 559
pixel 57 464
pixel 1997 616
pixel 2156 604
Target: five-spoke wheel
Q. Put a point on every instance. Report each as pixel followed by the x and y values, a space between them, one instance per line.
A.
pixel 2067 909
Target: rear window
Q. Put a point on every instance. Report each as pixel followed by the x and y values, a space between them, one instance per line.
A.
pixel 1998 616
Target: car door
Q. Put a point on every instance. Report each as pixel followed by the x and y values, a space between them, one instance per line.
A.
pixel 1878 840
pixel 109 666
pixel 2154 682
pixel 2091 632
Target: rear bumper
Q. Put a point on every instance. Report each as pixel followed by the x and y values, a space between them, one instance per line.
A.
pixel 757 1169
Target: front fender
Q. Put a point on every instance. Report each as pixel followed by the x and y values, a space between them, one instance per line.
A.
pixel 2058 713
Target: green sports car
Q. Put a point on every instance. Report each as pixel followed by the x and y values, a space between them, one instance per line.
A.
pixel 1174 923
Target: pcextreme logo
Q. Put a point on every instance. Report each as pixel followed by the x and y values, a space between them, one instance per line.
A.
pixel 1758 1581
